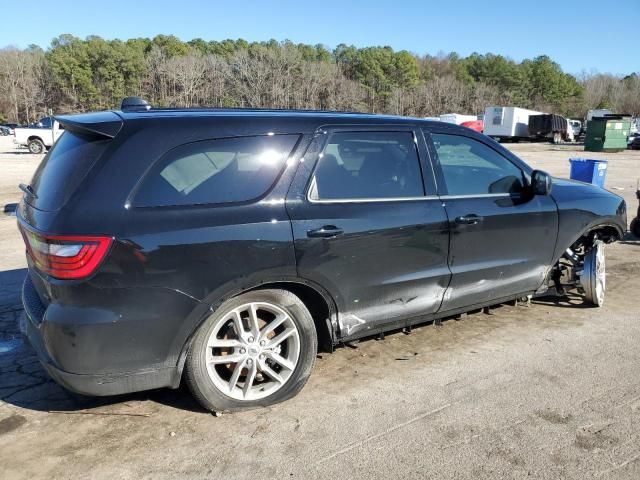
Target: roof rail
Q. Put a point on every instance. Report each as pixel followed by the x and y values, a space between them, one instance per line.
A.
pixel 134 104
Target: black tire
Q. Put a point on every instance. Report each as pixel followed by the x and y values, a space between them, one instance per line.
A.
pixel 200 382
pixel 635 227
pixel 36 146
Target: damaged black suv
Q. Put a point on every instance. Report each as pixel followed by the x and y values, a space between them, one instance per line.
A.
pixel 225 247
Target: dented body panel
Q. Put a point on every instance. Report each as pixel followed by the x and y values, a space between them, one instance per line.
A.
pixel 508 253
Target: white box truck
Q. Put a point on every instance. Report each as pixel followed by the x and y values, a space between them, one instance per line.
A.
pixel 507 123
pixel 457 118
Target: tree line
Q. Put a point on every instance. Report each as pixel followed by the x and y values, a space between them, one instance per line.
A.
pixel 77 75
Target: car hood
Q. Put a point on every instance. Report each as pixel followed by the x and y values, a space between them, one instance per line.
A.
pixel 575 188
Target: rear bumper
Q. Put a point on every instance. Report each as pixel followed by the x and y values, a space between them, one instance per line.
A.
pixel 99 384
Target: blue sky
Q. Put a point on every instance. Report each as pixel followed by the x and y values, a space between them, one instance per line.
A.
pixel 579 35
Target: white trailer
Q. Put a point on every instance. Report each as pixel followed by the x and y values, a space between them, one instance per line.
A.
pixel 457 118
pixel 507 123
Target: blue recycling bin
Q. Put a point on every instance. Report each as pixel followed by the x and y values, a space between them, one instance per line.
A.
pixel 589 171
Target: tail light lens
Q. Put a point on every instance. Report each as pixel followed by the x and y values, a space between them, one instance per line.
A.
pixel 66 256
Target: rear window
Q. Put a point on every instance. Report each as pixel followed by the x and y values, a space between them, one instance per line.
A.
pixel 216 171
pixel 63 168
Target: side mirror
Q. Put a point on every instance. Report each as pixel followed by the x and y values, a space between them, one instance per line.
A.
pixel 541 183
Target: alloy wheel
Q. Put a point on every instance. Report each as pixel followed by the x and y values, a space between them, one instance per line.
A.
pixel 252 351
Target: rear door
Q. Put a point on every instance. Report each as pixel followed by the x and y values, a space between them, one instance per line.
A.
pixel 368 226
pixel 502 238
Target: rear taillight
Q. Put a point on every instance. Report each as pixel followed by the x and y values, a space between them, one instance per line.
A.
pixel 65 256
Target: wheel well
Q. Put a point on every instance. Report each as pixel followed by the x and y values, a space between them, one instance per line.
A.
pixel 317 306
pixel 606 233
pixel 33 137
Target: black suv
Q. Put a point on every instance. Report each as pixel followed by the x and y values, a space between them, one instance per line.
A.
pixel 228 246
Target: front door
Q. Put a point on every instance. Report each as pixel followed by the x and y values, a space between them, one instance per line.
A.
pixel 502 238
pixel 366 229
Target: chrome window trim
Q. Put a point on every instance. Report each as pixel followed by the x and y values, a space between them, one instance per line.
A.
pixel 410 199
pixel 374 200
pixel 478 195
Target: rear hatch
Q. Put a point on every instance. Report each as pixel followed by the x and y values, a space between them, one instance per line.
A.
pixel 51 253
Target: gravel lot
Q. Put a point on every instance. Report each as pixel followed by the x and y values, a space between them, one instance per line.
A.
pixel 547 391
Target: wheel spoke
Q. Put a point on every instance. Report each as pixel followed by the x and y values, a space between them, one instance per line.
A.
pixel 271 326
pixel 248 381
pixel 235 375
pixel 277 340
pixel 221 359
pixel 279 359
pixel 271 372
pixel 255 321
pixel 224 343
pixel 237 323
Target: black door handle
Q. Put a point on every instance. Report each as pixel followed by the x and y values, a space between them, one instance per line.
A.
pixel 472 219
pixel 327 231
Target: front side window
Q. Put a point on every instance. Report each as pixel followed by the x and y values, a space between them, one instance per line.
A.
pixel 216 171
pixel 470 167
pixel 371 165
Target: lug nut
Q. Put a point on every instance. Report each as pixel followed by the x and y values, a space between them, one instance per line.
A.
pixel 249 362
pixel 261 357
pixel 251 339
pixel 262 343
pixel 243 351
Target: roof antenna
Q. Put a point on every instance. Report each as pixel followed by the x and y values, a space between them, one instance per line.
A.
pixel 134 104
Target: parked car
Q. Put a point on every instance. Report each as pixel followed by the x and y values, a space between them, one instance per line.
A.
pixel 38 138
pixel 232 249
pixel 576 126
pixel 634 141
pixel 477 125
pixel 4 131
pixel 10 127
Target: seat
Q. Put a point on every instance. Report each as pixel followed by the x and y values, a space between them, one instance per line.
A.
pixel 333 181
pixel 377 176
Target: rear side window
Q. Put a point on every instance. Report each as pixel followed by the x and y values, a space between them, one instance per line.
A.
pixel 216 171
pixel 63 168
pixel 371 165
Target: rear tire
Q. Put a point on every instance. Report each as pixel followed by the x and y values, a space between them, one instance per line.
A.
pixel 36 146
pixel 270 340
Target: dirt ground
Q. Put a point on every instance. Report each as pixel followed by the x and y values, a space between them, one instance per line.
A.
pixel 547 391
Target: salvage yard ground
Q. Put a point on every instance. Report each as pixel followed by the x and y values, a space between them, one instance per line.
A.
pixel 547 391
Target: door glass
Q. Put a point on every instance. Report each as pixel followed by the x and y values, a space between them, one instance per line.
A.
pixel 356 165
pixel 472 168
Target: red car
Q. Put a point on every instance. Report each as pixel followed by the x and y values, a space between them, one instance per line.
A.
pixel 477 125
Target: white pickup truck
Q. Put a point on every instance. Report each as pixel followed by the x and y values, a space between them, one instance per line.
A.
pixel 40 137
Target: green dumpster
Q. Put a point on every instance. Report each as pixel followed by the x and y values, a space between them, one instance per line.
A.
pixel 607 134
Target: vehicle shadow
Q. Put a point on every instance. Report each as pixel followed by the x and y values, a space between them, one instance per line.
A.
pixel 17 152
pixel 24 382
pixel 570 300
